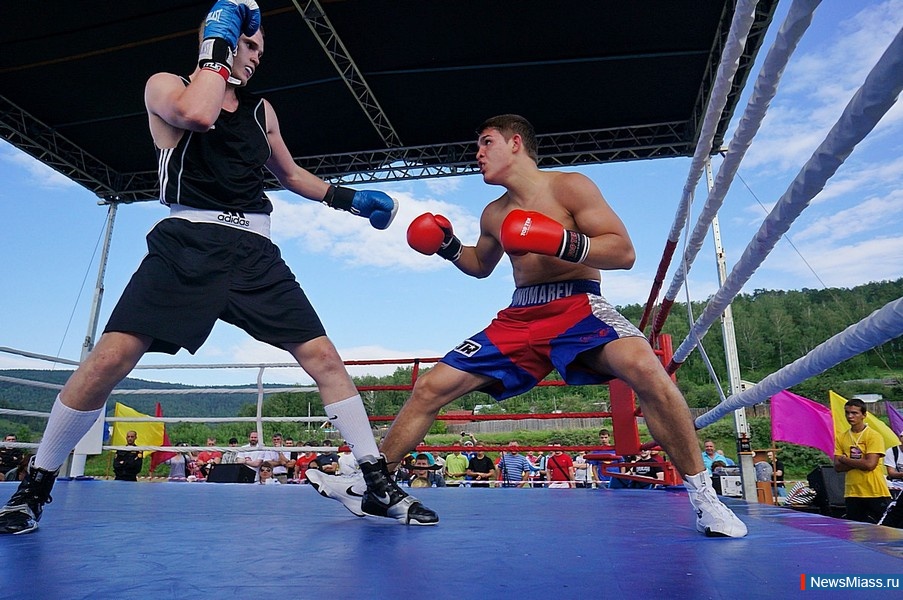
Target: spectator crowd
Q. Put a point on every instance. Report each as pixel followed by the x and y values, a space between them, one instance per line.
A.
pixel 466 465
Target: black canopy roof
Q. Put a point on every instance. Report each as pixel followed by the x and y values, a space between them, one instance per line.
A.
pixel 378 89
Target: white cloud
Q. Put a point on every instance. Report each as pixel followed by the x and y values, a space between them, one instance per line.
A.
pixel 626 287
pixel 786 142
pixel 443 185
pixel 39 174
pixel 319 230
pixel 848 265
pixel 252 351
pixel 842 62
pixel 820 81
pixel 862 183
pixel 856 220
pixel 856 179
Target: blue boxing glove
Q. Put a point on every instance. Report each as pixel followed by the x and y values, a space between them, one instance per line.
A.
pixel 225 22
pixel 378 207
pixel 228 19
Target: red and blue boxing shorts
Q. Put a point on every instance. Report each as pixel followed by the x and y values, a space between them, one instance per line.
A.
pixel 546 326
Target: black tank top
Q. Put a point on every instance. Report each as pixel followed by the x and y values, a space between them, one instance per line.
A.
pixel 220 169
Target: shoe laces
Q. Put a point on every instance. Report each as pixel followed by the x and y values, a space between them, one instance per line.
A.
pixel 380 482
pixel 35 488
pixel 30 496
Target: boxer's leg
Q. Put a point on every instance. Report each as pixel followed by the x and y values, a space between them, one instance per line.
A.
pixel 346 411
pixel 441 385
pixel 76 409
pixel 671 425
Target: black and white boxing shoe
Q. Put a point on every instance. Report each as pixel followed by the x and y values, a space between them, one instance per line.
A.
pixel 347 489
pixel 23 511
pixel 384 498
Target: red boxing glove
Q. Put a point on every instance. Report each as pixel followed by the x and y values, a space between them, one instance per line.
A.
pixel 432 234
pixel 529 231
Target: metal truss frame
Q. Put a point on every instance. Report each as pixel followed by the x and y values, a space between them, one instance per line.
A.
pixel 395 161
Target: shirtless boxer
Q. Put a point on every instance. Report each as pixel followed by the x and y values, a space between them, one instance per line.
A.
pixel 559 233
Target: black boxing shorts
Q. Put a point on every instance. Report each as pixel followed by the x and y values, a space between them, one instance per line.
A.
pixel 196 273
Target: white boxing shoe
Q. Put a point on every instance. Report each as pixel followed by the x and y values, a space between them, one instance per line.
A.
pixel 713 518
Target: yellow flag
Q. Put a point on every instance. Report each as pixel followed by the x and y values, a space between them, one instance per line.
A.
pixel 149 434
pixel 841 425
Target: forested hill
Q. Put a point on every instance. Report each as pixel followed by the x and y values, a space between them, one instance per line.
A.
pixel 24 397
pixel 774 328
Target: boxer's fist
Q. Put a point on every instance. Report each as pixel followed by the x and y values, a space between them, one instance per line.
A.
pixel 526 231
pixel 433 234
pixel 228 19
pixel 425 235
pixel 378 207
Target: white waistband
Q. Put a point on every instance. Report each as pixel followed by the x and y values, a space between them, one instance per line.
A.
pixel 254 222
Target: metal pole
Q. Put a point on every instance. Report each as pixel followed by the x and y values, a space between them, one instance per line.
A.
pixel 260 405
pixel 741 426
pixel 92 442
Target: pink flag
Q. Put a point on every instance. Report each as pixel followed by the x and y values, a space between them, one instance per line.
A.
pixel 801 421
pixel 895 418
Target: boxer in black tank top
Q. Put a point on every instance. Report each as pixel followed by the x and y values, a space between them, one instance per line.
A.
pixel 220 169
pixel 212 259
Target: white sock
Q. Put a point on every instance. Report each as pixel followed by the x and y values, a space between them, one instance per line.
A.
pixel 697 482
pixel 350 418
pixel 64 428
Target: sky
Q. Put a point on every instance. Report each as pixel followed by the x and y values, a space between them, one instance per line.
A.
pixel 381 300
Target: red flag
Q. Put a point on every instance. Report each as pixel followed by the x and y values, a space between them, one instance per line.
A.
pixel 801 421
pixel 160 457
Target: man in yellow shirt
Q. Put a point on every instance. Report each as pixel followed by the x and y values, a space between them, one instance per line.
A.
pixel 859 452
pixel 455 466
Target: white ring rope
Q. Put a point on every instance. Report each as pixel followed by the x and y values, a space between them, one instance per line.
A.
pixel 795 25
pixel 742 21
pixel 24 413
pixel 156 391
pixel 873 99
pixel 881 326
pixel 75 363
pixel 214 419
pixel 743 18
pixel 215 391
pixel 34 413
pixel 224 449
pixel 43 357
pixel 31 383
